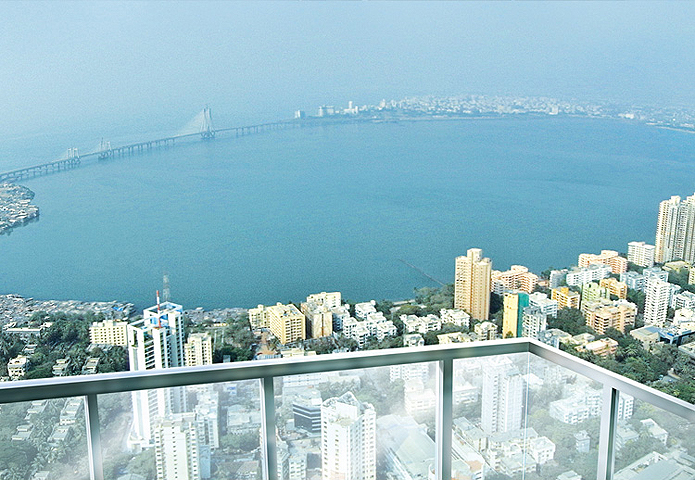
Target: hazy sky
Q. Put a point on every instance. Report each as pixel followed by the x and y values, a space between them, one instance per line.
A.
pixel 68 64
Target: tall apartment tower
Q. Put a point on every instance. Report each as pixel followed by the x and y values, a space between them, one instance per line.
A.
pixel 675 230
pixel 513 320
pixel 176 448
pixel 472 284
pixel 502 396
pixel 154 342
pixel 198 350
pixel 348 442
pixel 656 301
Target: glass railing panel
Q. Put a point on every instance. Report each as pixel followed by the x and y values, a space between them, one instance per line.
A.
pixel 651 443
pixel 371 423
pixel 44 439
pixel 521 417
pixel 209 431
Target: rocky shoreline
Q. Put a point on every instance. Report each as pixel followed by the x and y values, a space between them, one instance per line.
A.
pixel 16 208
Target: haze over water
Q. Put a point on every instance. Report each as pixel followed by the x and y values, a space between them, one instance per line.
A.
pixel 274 217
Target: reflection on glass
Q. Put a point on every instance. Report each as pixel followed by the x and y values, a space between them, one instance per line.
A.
pixel 367 424
pixel 44 439
pixel 653 444
pixel 202 432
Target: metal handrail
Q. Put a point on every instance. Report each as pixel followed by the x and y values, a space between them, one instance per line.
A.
pixel 267 371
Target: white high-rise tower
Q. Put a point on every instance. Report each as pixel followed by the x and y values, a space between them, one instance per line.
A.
pixel 675 230
pixel 155 342
pixel 656 301
pixel 502 396
pixel 348 443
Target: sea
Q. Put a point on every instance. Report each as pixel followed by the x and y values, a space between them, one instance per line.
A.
pixel 372 210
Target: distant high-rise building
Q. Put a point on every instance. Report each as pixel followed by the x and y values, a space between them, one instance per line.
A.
pixel 502 396
pixel 602 314
pixel 656 302
pixel 641 254
pixel 348 440
pixel 154 342
pixel 176 448
pixel 318 310
pixel 546 305
pixel 512 321
pixel 675 230
pixel 109 332
pixel 615 287
pixel 472 284
pixel 198 350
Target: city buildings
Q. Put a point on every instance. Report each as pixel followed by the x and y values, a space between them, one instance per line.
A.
pixel 287 323
pixel 641 254
pixel 516 278
pixel 502 396
pixel 600 315
pixel 611 258
pixel 546 305
pixel 109 332
pixel 198 350
pixel 565 297
pixel 592 273
pixel 472 284
pixel 534 321
pixel 318 310
pixel 512 321
pixel 656 302
pixel 348 439
pixel 675 230
pixel 176 447
pixel 615 287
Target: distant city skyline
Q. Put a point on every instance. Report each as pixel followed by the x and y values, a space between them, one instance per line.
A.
pixel 125 61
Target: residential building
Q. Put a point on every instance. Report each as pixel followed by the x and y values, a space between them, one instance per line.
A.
pixel 683 300
pixel 614 287
pixel 472 284
pixel 633 280
pixel 422 325
pixel 17 367
pixel 592 273
pixel 641 254
pixel 502 396
pixel 109 332
pixel 557 277
pixel 413 340
pixel 516 278
pixel 258 317
pixel 611 258
pixel 60 368
pixel 176 447
pixel 656 302
pixel 287 323
pixel 365 308
pixel 348 439
pixel 657 272
pixel 306 411
pixel 592 292
pixel 198 350
pixel 602 315
pixel 675 238
pixel 534 321
pixel 691 276
pixel 318 310
pixel 512 321
pixel 602 347
pixel 486 331
pixel 586 403
pixel 546 305
pixel 554 337
pixel 647 336
pixel 455 316
pixel 565 297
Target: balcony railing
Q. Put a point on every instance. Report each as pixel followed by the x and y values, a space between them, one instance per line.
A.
pixel 450 366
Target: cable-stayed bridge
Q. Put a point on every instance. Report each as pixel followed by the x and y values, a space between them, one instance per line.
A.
pixel 200 126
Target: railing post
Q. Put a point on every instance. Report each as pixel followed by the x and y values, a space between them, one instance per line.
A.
pixel 609 423
pixel 269 446
pixel 445 397
pixel 96 461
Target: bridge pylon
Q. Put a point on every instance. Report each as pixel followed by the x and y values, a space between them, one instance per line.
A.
pixel 206 130
pixel 105 150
